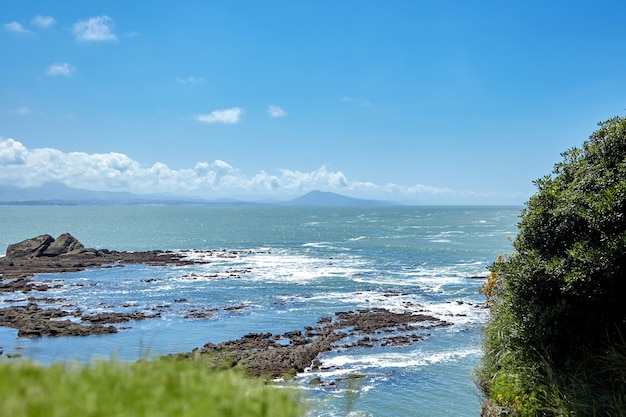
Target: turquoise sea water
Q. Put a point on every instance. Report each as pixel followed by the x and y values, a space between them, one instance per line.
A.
pixel 303 264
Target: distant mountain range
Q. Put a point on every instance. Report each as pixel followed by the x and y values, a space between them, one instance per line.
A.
pixel 60 194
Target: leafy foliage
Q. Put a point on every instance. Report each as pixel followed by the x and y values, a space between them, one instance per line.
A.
pixel 558 302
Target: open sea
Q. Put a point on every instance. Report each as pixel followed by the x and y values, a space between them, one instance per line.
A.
pixel 299 264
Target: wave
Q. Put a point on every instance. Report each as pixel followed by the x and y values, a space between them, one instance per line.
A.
pixel 341 364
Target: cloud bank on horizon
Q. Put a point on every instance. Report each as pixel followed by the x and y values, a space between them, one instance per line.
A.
pixel 23 167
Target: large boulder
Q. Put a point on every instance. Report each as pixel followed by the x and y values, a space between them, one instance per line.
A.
pixel 63 244
pixel 44 245
pixel 29 248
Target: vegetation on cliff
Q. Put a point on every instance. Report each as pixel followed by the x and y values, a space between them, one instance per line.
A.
pixel 554 345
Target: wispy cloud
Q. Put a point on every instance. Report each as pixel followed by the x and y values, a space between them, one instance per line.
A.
pixel 43 22
pixel 60 68
pixel 275 111
pixel 16 27
pixel 117 172
pixel 95 29
pixel 228 116
pixel 190 80
pixel 23 111
pixel 357 101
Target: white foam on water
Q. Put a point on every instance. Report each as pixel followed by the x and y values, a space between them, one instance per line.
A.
pixel 317 245
pixel 294 268
pixel 459 313
pixel 347 364
pixel 392 301
pixel 433 280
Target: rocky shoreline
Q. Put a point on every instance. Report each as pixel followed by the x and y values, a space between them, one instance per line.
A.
pixel 266 354
pixel 44 254
pixel 283 356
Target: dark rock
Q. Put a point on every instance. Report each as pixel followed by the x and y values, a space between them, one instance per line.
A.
pixel 63 244
pixel 23 285
pixel 261 355
pixel 201 313
pixel 29 248
pixel 33 321
pixel 43 254
pixel 102 318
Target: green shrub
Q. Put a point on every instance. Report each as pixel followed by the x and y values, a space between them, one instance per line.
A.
pixel 147 388
pixel 558 301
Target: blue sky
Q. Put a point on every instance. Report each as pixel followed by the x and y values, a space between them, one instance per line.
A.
pixel 422 102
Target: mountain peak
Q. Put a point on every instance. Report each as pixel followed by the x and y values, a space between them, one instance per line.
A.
pixel 327 198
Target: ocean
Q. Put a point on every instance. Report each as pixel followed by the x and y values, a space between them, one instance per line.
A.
pixel 290 266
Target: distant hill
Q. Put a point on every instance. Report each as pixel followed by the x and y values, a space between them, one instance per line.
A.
pixel 324 198
pixel 53 193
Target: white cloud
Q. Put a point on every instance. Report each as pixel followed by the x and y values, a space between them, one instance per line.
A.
pixel 223 165
pixel 275 111
pixel 12 152
pixel 23 111
pixel 229 116
pixel 117 172
pixel 60 68
pixel 190 80
pixel 43 22
pixel 17 28
pixel 95 29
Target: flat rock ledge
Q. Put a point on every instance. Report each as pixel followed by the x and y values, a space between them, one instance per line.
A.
pixel 283 356
pixel 32 321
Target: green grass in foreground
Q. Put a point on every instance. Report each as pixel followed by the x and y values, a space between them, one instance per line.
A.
pixel 147 388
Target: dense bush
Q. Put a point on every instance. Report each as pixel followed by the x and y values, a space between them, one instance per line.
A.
pixel 161 388
pixel 554 344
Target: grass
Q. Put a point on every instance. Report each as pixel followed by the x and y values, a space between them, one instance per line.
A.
pixel 160 388
pixel 594 386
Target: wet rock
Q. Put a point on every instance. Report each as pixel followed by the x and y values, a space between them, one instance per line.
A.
pixel 108 318
pixel 316 381
pixel 33 321
pixel 23 285
pixel 200 313
pixel 285 355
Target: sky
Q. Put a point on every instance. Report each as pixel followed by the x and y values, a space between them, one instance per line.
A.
pixel 417 102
